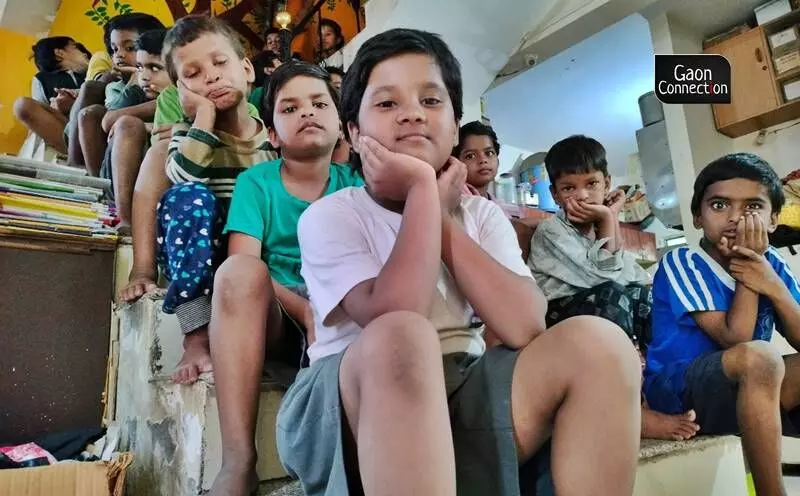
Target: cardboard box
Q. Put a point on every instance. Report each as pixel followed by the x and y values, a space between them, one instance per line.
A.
pixel 786 63
pixel 784 41
pixel 772 10
pixel 791 90
pixel 68 479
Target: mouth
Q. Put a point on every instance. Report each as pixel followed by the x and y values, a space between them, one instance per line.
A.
pixel 309 125
pixel 218 93
pixel 486 172
pixel 413 137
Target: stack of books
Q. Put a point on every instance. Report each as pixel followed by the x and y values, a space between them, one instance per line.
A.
pixel 54 203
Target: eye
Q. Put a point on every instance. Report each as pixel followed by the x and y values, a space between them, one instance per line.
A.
pixel 288 109
pixel 386 104
pixel 190 75
pixel 220 62
pixel 718 205
pixel 469 155
pixel 594 183
pixel 431 101
pixel 754 206
pixel 491 153
pixel 320 105
pixel 567 188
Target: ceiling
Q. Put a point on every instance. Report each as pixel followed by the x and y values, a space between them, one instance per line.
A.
pixel 707 17
pixel 591 88
pixel 26 17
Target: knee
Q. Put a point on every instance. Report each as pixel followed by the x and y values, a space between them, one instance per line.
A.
pixel 760 361
pixel 91 114
pixel 23 108
pixel 129 126
pixel 241 279
pixel 400 349
pixel 599 344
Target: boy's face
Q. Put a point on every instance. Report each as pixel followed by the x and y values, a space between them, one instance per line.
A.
pixel 71 58
pixel 305 120
pixel 590 187
pixel 336 80
pixel 329 38
pixel 274 43
pixel 725 202
pixel 407 109
pixel 123 50
pixel 152 77
pixel 480 157
pixel 210 67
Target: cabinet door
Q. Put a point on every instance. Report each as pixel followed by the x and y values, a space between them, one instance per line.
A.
pixel 752 84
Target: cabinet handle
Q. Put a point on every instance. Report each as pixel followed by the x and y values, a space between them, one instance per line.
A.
pixel 759 56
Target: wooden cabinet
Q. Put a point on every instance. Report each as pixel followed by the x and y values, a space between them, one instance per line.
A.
pixel 752 81
pixel 756 100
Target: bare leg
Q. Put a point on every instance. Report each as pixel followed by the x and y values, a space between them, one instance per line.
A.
pixel 758 368
pixel 44 121
pixel 581 380
pixel 657 425
pixel 92 138
pixel 126 157
pixel 91 93
pixel 790 389
pixel 393 394
pixel 244 313
pixel 151 184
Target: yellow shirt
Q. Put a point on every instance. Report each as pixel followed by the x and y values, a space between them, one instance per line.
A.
pixel 98 64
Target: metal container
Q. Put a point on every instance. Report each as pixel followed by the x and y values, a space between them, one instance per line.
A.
pixel 650 109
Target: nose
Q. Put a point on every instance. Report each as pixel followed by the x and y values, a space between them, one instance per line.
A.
pixel 212 76
pixel 411 112
pixel 484 159
pixel 581 194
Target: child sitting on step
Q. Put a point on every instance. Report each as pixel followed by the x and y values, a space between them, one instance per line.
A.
pixel 401 396
pixel 578 260
pixel 260 300
pixel 206 59
pixel 714 310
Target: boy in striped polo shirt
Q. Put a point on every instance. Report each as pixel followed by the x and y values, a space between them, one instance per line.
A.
pixel 207 62
pixel 714 310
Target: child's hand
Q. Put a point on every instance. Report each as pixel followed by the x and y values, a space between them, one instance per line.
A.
pixel 192 102
pixel 109 77
pixel 163 132
pixel 452 181
pixel 751 233
pixel 580 212
pixel 615 200
pixel 388 174
pixel 754 271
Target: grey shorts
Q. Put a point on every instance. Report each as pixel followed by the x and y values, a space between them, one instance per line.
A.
pixel 310 434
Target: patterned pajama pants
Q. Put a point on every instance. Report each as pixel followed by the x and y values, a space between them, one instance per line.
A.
pixel 190 249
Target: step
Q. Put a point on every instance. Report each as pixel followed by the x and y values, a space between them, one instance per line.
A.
pixel 174 430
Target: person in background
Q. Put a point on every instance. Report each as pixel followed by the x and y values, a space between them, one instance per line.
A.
pixel 337 76
pixel 264 64
pixel 341 154
pixel 331 39
pixel 273 41
pixel 128 122
pixel 478 148
pixel 62 65
pixel 715 308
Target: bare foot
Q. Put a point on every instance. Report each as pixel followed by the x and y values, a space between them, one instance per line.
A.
pixel 139 283
pixel 196 357
pixel 124 228
pixel 657 425
pixel 233 481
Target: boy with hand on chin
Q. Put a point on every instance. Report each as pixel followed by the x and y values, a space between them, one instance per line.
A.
pixel 206 59
pixel 400 381
pixel 714 310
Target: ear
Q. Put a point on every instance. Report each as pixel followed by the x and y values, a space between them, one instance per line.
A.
pixel 59 53
pixel 696 222
pixel 555 196
pixel 773 223
pixel 249 70
pixel 355 134
pixel 273 138
pixel 455 133
pixel 608 183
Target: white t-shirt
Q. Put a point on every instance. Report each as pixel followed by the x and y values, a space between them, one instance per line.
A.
pixel 346 238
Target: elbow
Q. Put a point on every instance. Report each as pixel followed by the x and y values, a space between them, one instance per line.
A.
pixel 521 333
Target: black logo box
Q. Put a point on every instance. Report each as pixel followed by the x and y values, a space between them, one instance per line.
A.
pixel 702 78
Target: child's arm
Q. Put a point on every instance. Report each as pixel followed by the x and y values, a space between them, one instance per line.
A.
pixel 737 324
pixel 603 217
pixel 144 111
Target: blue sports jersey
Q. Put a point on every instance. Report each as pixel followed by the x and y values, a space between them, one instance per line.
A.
pixel 689 280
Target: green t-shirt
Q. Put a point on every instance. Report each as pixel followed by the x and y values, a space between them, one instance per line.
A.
pixel 262 208
pixel 169 110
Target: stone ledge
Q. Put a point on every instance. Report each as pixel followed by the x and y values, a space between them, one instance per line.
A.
pixel 652 449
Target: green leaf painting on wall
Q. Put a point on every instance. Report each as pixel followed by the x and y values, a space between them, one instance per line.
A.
pixel 99 11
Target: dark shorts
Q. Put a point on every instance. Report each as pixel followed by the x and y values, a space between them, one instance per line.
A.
pixel 285 357
pixel 310 434
pixel 712 395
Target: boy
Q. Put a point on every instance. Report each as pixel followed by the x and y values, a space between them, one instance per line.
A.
pixel 714 308
pixel 337 76
pixel 578 260
pixel 303 121
pixel 478 149
pixel 86 129
pixel 396 272
pixel 204 56
pixel 125 124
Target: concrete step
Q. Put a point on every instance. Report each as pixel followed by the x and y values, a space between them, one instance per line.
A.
pixel 174 430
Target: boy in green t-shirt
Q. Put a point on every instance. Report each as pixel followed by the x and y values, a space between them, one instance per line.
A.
pixel 261 309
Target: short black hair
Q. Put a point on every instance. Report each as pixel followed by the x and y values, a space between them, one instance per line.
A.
pixel 272 30
pixel 334 69
pixel 577 154
pixel 393 43
pixel 44 52
pixel 286 73
pixel 136 21
pixel 151 41
pixel 337 31
pixel 191 27
pixel 739 166
pixel 475 128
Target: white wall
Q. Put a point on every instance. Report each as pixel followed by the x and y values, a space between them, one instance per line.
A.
pixel 509 155
pixel 781 149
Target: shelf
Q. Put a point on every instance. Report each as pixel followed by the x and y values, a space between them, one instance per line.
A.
pixel 786 112
pixel 785 76
pixel 782 22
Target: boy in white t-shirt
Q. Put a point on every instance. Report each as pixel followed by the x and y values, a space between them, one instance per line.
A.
pixel 402 396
